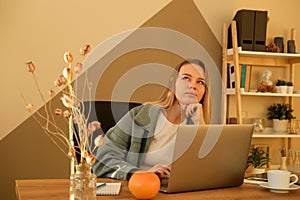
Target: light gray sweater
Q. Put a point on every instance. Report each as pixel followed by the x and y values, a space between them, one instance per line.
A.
pixel 124 145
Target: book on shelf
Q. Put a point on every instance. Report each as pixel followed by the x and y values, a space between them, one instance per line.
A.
pixel 245 76
pixel 248 78
pixel 230 75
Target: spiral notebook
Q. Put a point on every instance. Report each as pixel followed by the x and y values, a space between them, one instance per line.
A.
pixel 108 189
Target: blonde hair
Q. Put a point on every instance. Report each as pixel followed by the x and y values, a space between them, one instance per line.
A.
pixel 168 97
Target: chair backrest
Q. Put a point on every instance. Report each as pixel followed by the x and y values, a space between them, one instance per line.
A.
pixel 108 112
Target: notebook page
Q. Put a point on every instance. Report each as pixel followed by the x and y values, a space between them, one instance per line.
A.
pixel 109 189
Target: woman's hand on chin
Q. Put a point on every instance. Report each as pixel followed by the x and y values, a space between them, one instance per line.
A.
pixel 194 111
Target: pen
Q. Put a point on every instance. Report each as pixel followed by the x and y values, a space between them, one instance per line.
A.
pixel 101 185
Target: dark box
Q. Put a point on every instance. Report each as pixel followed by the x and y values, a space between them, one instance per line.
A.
pixel 251 30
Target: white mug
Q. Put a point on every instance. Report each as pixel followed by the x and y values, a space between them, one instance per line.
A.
pixel 281 178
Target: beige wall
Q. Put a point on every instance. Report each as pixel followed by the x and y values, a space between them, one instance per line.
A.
pixel 43 30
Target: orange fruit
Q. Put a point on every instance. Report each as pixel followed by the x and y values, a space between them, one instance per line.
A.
pixel 144 185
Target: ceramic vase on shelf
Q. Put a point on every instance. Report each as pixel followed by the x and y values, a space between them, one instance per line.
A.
pixel 280 125
pixel 290 89
pixel 283 89
pixel 83 183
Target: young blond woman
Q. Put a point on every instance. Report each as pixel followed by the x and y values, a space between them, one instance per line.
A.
pixel 144 138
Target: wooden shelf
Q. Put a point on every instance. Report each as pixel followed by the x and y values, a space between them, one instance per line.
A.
pixel 274 135
pixel 265 58
pixel 269 133
pixel 264 94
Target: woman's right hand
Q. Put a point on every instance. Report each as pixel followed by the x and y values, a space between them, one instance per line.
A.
pixel 162 171
pixel 195 112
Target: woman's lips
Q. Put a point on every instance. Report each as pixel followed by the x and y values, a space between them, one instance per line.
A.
pixel 191 94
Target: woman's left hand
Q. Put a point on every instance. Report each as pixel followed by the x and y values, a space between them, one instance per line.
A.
pixel 162 171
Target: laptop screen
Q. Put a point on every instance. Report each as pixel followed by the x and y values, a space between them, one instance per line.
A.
pixel 209 156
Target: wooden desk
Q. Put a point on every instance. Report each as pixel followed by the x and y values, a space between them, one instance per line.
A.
pixel 58 189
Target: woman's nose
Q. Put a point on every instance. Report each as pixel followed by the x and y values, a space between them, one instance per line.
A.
pixel 192 84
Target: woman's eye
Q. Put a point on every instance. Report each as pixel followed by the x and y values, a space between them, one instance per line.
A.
pixel 185 78
pixel 201 82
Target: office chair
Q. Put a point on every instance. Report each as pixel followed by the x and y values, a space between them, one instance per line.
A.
pixel 108 113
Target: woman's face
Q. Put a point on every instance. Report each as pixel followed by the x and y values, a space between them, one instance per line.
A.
pixel 190 84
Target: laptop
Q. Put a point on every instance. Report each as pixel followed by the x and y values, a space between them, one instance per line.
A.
pixel 208 157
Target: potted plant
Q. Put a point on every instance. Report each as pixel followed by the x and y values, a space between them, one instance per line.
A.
pixel 258 158
pixel 290 87
pixel 281 86
pixel 280 113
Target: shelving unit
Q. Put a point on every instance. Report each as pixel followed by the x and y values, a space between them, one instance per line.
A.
pixel 254 58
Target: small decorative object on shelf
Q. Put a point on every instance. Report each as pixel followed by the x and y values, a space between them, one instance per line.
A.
pixel 267 76
pixel 290 87
pixel 294 126
pixel 279 43
pixel 290 160
pixel 280 113
pixel 291 46
pixel 272 47
pixel 77 141
pixel 258 125
pixel 266 84
pixel 281 86
pixel 283 159
pixel 264 87
pixel 296 167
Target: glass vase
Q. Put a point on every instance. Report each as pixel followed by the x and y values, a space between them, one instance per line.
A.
pixel 83 183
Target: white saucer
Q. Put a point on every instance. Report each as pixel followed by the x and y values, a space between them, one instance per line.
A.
pixel 279 190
